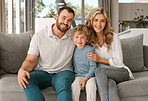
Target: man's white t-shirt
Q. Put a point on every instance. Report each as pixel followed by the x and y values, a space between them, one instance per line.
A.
pixel 55 54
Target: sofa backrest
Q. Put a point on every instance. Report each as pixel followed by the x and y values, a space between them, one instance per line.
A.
pixel 13 51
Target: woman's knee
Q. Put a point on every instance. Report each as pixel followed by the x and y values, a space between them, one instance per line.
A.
pixel 99 72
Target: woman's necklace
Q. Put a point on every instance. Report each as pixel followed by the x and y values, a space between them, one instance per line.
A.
pixel 100 42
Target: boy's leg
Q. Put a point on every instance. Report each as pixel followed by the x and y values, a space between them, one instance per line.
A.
pixel 91 89
pixel 76 89
pixel 38 80
pixel 62 81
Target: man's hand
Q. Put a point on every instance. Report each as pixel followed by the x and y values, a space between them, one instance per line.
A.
pixel 22 78
pixel 83 83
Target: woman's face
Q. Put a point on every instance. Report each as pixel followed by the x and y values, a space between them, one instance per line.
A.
pixel 99 23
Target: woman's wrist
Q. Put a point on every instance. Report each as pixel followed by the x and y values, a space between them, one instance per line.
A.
pixel 103 61
pixel 99 60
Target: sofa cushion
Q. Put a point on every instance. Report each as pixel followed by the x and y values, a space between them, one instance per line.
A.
pixel 136 87
pixel 133 53
pixel 10 87
pixel 13 50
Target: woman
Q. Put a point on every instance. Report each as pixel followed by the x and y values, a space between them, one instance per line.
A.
pixel 108 55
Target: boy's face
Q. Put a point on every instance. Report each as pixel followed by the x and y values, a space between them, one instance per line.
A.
pixel 80 40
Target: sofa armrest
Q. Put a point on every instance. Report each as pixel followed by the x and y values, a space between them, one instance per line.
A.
pixel 145 55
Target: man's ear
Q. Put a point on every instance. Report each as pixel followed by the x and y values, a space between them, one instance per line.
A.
pixel 57 16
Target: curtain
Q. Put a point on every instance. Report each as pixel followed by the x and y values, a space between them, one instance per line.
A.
pixel 29 14
pixel 107 5
pixel 2 16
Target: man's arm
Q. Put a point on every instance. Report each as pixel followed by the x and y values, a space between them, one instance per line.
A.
pixel 26 67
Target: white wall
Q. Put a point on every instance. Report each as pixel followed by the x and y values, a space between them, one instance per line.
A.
pixel 42 23
pixel 134 32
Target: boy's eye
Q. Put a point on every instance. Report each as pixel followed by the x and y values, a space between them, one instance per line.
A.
pixel 70 20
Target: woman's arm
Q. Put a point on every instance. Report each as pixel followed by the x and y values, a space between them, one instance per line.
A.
pixel 117 58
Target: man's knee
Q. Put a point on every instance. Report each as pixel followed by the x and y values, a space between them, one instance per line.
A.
pixel 64 86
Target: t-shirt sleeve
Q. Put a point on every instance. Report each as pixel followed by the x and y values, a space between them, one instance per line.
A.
pixel 34 45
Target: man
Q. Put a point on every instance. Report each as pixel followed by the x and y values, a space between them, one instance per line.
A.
pixel 53 48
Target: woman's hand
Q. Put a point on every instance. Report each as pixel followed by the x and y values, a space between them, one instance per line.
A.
pixel 93 56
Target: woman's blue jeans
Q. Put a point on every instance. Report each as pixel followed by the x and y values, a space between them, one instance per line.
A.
pixel 39 80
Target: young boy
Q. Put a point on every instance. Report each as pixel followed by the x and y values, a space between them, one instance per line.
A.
pixel 84 68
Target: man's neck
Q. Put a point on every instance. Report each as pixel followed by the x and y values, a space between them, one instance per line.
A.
pixel 57 32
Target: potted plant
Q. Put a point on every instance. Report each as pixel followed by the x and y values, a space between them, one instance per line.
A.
pixel 140 20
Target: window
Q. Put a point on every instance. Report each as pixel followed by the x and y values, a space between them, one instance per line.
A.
pixel 47 9
pixel 82 9
pixel 18 15
pixel 126 1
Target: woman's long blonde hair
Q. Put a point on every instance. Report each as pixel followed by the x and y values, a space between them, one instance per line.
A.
pixel 107 32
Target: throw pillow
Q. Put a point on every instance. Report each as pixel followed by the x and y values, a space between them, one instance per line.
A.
pixel 13 50
pixel 132 49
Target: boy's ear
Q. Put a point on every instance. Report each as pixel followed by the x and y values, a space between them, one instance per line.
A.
pixel 87 40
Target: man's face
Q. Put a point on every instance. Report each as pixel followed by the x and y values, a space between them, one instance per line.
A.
pixel 64 20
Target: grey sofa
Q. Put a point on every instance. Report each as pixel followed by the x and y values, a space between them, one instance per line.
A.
pixel 13 50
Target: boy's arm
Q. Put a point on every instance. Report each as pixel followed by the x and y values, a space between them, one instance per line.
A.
pixel 92 65
pixel 92 69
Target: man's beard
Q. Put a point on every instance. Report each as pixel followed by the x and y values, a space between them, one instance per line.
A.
pixel 62 29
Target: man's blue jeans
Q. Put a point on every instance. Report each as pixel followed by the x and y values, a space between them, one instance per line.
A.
pixel 39 80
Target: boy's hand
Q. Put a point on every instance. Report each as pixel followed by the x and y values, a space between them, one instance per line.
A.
pixel 83 83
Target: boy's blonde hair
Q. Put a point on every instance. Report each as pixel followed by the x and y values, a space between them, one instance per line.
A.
pixel 82 29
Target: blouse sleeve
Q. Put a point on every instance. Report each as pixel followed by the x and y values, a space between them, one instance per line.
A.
pixel 117 58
